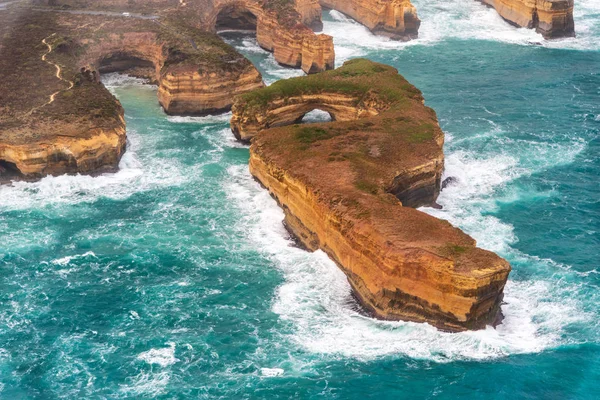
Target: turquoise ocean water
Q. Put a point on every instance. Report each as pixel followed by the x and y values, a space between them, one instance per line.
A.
pixel 174 277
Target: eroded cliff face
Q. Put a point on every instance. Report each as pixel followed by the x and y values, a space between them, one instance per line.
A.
pixel 64 120
pixel 189 92
pixel 311 13
pixel 551 18
pixel 394 18
pixel 186 86
pixel 283 28
pixel 99 150
pixel 247 122
pixel 347 188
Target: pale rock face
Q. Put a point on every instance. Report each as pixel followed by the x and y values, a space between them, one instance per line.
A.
pixel 551 18
pixel 394 18
pixel 293 43
pixel 98 151
pixel 96 145
pixel 349 188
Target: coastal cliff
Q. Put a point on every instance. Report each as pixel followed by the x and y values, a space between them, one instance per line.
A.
pixel 348 188
pixel 394 18
pixel 282 27
pixel 196 72
pixel 551 18
pixel 56 116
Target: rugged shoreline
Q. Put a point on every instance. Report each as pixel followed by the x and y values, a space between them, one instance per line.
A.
pixel 349 188
pixel 551 18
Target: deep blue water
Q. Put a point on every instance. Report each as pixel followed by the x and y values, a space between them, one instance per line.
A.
pixel 174 278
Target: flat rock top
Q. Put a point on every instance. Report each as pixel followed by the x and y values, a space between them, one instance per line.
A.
pixel 373 150
pixel 350 165
pixel 37 105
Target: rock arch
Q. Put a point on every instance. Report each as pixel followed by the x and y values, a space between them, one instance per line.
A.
pixel 184 88
pixel 336 182
pixel 72 123
pixel 282 111
pixel 236 15
pixel 283 31
pixel 128 62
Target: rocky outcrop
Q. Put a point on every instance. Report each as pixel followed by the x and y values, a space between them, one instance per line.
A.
pixel 247 122
pixel 348 188
pixel 184 88
pixel 394 18
pixel 551 18
pixel 189 92
pixel 281 27
pixel 98 150
pixel 311 13
pixel 55 115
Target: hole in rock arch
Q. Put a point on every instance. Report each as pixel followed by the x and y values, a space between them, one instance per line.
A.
pixel 129 64
pixel 9 170
pixel 316 116
pixel 235 17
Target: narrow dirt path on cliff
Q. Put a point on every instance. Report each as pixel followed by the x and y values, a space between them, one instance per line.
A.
pixel 58 75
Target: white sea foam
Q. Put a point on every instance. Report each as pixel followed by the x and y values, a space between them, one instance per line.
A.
pixel 148 383
pixel 133 176
pixel 164 356
pixel 66 260
pixel 271 372
pixel 209 119
pixel 316 296
pixel 481 180
pixel 115 80
pixel 135 173
pixel 460 19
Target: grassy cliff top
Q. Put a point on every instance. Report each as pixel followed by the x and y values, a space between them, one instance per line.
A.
pixel 27 81
pixel 351 166
pixel 356 77
pixel 404 135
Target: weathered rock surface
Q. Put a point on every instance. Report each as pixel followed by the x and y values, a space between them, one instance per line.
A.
pixel 394 18
pixel 281 27
pixel 347 188
pixel 55 115
pixel 551 18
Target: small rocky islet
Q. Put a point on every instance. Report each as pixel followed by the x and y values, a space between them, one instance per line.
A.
pixel 349 187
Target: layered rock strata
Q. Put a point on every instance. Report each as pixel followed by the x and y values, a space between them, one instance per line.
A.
pixel 551 18
pixel 394 18
pixel 282 27
pixel 55 115
pixel 348 188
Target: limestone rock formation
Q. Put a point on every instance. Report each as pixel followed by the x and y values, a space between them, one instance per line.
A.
pixel 551 18
pixel 394 18
pixel 348 188
pixel 192 80
pixel 280 28
pixel 55 115
pixel 284 27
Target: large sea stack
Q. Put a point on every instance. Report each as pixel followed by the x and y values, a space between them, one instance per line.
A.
pixel 350 188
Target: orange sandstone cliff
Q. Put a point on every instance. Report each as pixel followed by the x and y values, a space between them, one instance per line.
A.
pixel 394 18
pixel 551 18
pixel 55 115
pixel 349 188
pixel 282 27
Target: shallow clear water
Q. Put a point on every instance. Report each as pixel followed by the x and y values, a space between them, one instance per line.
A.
pixel 174 278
